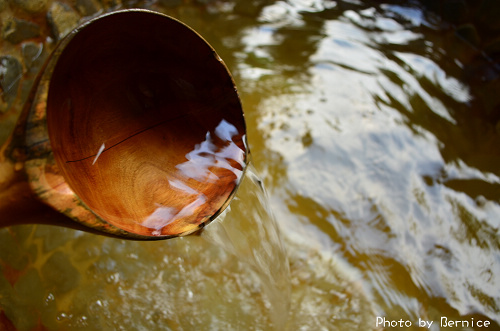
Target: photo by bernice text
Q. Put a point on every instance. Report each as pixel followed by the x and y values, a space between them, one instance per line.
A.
pixel 444 322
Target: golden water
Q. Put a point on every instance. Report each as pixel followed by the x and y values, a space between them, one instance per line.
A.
pixel 237 275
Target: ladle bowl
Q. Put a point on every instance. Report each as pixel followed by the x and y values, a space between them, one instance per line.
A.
pixel 134 128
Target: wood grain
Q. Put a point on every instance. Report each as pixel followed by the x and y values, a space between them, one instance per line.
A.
pixel 137 121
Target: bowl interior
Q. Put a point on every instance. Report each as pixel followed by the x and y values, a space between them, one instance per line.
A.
pixel 145 123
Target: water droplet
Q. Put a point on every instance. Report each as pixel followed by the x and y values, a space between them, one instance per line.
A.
pixel 50 298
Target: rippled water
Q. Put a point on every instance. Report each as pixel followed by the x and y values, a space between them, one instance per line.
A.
pixel 370 145
pixel 383 178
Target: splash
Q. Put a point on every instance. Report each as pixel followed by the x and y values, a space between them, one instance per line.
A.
pixel 251 234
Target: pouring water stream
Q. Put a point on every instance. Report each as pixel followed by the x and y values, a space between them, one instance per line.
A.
pixel 254 238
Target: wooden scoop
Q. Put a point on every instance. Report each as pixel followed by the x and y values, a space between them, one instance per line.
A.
pixel 134 128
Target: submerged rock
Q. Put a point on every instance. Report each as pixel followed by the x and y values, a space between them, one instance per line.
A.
pixel 17 30
pixel 31 6
pixel 88 7
pixel 59 274
pixel 109 4
pixel 32 55
pixel 62 19
pixel 11 72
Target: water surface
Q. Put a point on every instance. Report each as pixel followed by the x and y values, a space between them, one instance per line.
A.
pixel 371 145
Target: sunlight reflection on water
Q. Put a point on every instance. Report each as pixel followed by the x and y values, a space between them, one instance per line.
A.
pixel 361 135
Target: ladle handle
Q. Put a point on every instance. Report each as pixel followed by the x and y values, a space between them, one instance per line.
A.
pixel 19 204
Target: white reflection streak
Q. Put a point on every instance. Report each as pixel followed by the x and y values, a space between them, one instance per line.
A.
pixel 190 208
pixel 183 187
pixel 206 155
pixel 163 216
pixel 225 130
pixel 101 149
pixel 199 161
pixel 160 218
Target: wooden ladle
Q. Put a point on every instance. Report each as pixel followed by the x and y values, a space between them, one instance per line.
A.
pixel 134 128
